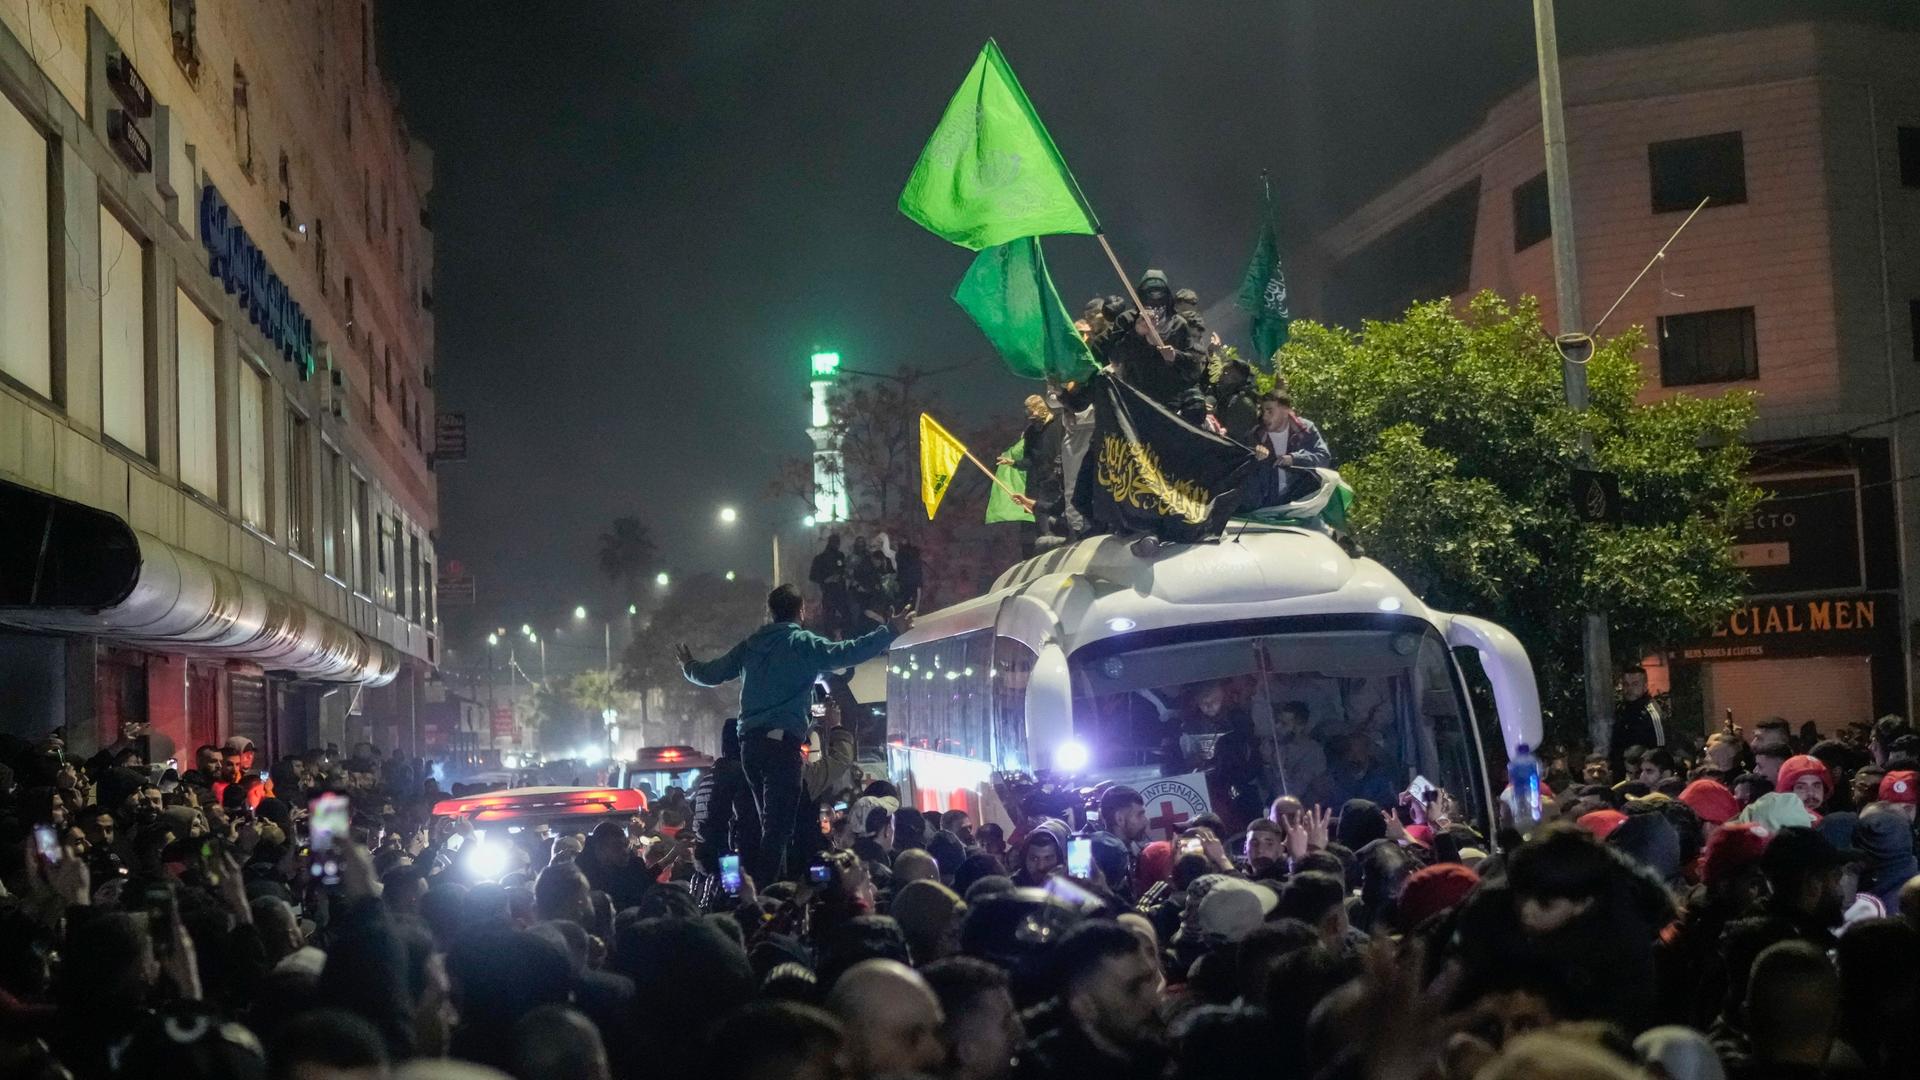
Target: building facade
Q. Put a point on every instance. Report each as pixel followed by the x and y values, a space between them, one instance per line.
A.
pixel 217 507
pixel 1800 280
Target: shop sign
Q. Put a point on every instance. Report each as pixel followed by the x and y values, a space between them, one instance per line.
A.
pixel 1847 624
pixel 1803 537
pixel 503 723
pixel 241 266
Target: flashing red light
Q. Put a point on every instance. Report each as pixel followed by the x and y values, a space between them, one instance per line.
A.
pixel 531 802
pixel 669 755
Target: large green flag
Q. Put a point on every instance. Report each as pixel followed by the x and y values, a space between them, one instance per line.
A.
pixel 990 172
pixel 1010 295
pixel 1000 504
pixel 1264 290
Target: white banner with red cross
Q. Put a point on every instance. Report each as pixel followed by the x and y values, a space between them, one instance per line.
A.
pixel 1173 802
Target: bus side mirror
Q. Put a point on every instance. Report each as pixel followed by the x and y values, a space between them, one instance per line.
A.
pixel 1515 693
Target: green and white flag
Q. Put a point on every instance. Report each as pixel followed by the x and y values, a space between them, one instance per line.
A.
pixel 1000 504
pixel 1011 297
pixel 991 173
pixel 1263 292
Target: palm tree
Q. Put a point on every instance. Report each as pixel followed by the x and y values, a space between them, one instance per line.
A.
pixel 626 550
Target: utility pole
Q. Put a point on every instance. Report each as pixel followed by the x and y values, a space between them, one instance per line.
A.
pixel 1574 344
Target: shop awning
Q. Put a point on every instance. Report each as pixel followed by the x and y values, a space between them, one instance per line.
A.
pixel 72 569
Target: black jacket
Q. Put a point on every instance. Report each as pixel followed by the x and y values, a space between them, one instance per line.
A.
pixel 1134 356
pixel 1065 1053
pixel 1040 460
pixel 724 816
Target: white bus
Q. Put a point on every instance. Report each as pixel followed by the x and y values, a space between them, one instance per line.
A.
pixel 1102 662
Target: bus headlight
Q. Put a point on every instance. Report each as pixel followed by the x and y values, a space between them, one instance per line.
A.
pixel 1071 756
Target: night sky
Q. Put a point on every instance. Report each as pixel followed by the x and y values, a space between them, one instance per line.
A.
pixel 646 215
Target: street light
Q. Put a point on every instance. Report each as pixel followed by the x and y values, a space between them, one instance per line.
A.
pixel 527 630
pixel 492 640
pixel 728 515
pixel 661 579
pixel 807 521
pixel 730 575
pixel 606 632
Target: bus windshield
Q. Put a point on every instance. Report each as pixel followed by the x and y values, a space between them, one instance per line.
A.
pixel 1322 715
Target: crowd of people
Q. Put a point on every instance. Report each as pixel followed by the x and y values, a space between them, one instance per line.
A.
pixel 1751 910
pixel 873 576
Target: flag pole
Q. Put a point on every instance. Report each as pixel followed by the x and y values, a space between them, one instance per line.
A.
pixel 991 475
pixel 1153 332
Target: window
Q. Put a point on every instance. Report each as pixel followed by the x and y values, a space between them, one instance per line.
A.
pixel 1910 156
pixel 199 412
pixel 1532 221
pixel 1708 347
pixel 1684 171
pixel 253 446
pixel 397 589
pixel 366 47
pixel 346 114
pixel 332 524
pixel 357 537
pixel 383 208
pixel 242 123
pixel 349 292
pixel 416 593
pixel 299 485
pixel 186 37
pixel 123 334
pixel 26 267
pixel 366 201
pixel 320 252
pixel 387 361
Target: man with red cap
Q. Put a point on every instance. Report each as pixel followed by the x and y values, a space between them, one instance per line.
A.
pixel 1601 823
pixel 1712 802
pixel 1900 789
pixel 1432 890
pixel 1806 777
pixel 1692 975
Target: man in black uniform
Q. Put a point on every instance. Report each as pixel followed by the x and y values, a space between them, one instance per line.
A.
pixel 1637 720
pixel 1161 372
pixel 1040 460
pixel 829 572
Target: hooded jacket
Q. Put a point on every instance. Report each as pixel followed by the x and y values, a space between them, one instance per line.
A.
pixel 1134 356
pixel 1886 839
pixel 777 665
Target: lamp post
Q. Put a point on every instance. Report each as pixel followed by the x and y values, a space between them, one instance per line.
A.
pixel 606 632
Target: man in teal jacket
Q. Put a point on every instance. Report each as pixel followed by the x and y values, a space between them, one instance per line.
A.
pixel 777 665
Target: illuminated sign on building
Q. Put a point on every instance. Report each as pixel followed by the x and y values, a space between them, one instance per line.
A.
pixel 242 267
pixel 1853 624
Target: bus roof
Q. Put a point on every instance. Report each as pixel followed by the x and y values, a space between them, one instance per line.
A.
pixel 1102 586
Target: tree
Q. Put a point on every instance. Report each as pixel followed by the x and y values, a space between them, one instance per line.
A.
pixel 626 551
pixel 1457 440
pixel 879 426
pixel 709 614
pixel 594 692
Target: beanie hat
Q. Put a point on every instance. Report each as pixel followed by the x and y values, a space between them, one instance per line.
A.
pixel 1651 841
pixel 1803 765
pixel 1155 865
pixel 1232 909
pixel 1777 810
pixel 1902 786
pixel 1601 823
pixel 1711 800
pixel 1730 849
pixel 1434 889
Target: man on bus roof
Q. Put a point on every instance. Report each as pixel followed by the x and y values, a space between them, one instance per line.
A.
pixel 777 665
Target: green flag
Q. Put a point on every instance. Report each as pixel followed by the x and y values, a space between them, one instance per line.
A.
pixel 1264 290
pixel 1000 505
pixel 990 172
pixel 1009 294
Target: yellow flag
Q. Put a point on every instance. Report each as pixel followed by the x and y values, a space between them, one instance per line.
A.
pixel 940 455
